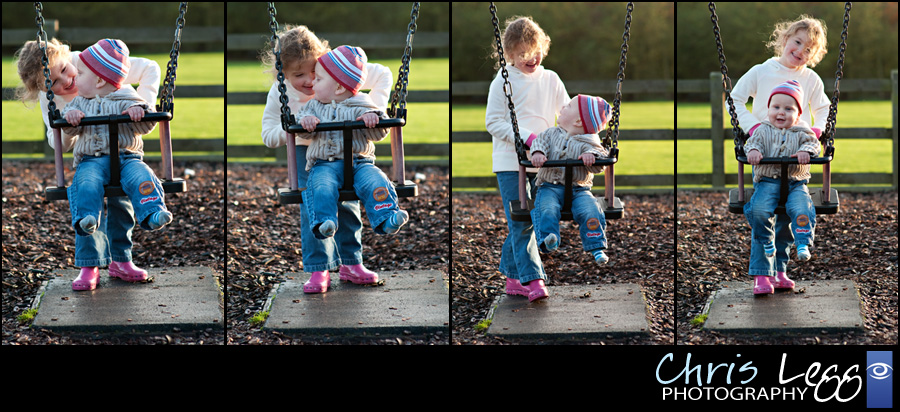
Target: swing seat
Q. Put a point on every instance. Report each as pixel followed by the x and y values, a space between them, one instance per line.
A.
pixel 404 189
pixel 611 211
pixel 174 185
pixel 823 207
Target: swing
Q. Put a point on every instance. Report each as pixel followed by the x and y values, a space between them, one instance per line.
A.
pixel 164 113
pixel 611 205
pixel 397 112
pixel 825 198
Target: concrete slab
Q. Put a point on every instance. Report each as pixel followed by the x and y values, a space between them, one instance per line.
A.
pixel 813 307
pixel 573 312
pixel 186 298
pixel 412 301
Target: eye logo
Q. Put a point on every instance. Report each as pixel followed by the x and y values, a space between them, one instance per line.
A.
pixel 880 370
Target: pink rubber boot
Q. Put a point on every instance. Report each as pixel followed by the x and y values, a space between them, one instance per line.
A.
pixel 357 274
pixel 513 287
pixel 87 279
pixel 782 281
pixel 127 271
pixel 536 290
pixel 318 282
pixel 763 285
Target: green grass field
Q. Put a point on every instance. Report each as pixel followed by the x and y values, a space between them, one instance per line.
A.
pixel 693 156
pixel 194 117
pixel 426 122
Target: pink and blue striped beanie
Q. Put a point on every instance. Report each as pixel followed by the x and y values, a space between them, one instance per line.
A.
pixel 108 59
pixel 594 112
pixel 790 88
pixel 347 66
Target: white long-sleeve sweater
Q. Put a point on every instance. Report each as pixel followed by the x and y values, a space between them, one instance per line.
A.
pixel 758 83
pixel 378 80
pixel 538 98
pixel 144 72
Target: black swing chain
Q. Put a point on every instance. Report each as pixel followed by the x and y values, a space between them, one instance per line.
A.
pixel 507 88
pixel 52 113
pixel 739 135
pixel 399 96
pixel 612 130
pixel 828 133
pixel 166 103
pixel 287 119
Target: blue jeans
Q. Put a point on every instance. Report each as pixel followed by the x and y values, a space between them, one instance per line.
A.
pixel 519 258
pixel 590 219
pixel 112 239
pixel 760 214
pixel 346 245
pixel 371 185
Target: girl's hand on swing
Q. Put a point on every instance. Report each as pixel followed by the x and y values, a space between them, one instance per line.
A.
pixel 802 157
pixel 587 158
pixel 370 119
pixel 753 157
pixel 74 117
pixel 135 112
pixel 538 159
pixel 309 123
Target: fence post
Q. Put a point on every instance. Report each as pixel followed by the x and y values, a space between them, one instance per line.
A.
pixel 716 132
pixel 894 123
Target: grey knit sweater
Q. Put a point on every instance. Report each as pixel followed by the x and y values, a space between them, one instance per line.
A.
pixel 94 140
pixel 556 144
pixel 774 142
pixel 330 145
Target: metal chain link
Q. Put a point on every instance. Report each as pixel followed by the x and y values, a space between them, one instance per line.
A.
pixel 399 96
pixel 828 134
pixel 739 135
pixel 287 119
pixel 52 113
pixel 166 103
pixel 507 88
pixel 612 130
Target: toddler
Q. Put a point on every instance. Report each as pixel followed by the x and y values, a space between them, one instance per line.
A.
pixel 575 137
pixel 797 47
pixel 101 70
pixel 782 134
pixel 339 75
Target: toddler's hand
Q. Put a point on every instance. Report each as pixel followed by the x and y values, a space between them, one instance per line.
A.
pixel 74 117
pixel 754 157
pixel 538 159
pixel 309 123
pixel 587 158
pixel 370 119
pixel 135 112
pixel 802 157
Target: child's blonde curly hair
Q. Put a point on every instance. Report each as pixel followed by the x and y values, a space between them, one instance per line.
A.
pixel 815 30
pixel 524 35
pixel 31 69
pixel 298 44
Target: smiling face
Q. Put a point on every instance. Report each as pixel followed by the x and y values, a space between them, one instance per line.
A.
pixel 301 75
pixel 783 111
pixel 62 76
pixel 569 118
pixel 797 50
pixel 527 64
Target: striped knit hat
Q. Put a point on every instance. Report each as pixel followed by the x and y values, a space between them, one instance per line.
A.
pixel 790 88
pixel 108 59
pixel 594 112
pixel 347 66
